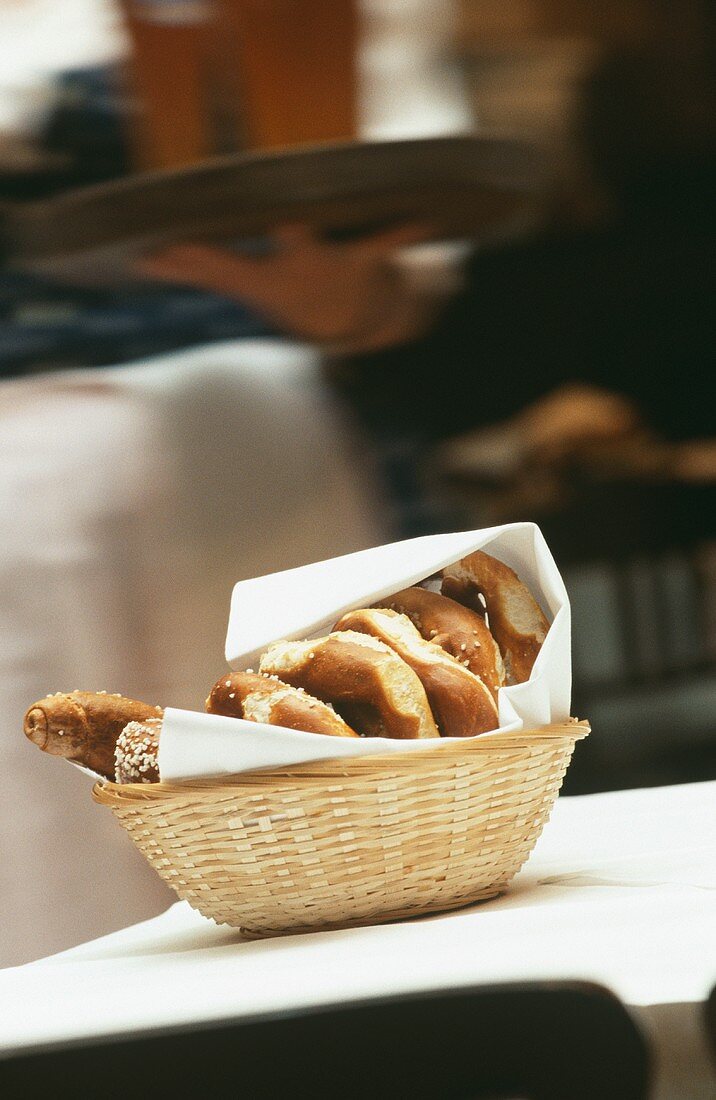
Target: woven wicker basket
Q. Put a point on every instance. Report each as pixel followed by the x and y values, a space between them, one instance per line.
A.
pixel 352 841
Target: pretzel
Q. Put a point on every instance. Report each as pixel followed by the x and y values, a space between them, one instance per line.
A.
pixel 461 704
pixel 376 691
pixel 458 630
pixel 136 751
pixel 84 725
pixel 515 619
pixel 259 698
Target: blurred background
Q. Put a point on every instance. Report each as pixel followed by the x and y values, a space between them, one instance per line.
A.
pixel 218 417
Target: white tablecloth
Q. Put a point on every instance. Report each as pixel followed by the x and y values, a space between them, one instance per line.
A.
pixel 620 890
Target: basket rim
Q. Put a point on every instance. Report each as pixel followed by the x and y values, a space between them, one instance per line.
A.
pixel 108 793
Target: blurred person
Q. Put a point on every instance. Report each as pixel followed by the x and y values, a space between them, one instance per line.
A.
pixel 119 486
pixel 84 127
pixel 619 304
pixel 340 295
pixel 117 489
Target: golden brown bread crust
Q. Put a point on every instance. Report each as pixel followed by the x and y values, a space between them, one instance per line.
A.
pixel 84 725
pixel 294 709
pixel 228 693
pixel 136 752
pixel 461 704
pixel 516 621
pixel 263 699
pixel 460 631
pixel 257 697
pixel 369 685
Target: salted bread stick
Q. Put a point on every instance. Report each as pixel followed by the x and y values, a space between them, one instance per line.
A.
pixel 84 725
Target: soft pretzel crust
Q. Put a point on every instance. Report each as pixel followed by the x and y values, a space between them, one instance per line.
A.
pixel 261 698
pixel 294 709
pixel 516 621
pixel 458 630
pixel 376 691
pixel 228 693
pixel 84 725
pixel 136 752
pixel 461 704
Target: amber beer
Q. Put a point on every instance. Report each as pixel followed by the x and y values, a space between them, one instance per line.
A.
pixel 294 67
pixel 169 66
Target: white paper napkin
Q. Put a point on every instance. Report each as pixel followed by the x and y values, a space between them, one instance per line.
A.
pixel 306 602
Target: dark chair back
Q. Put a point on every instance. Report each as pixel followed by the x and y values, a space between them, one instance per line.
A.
pixel 551 1041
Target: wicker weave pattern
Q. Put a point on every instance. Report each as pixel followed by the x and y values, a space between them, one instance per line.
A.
pixel 349 842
